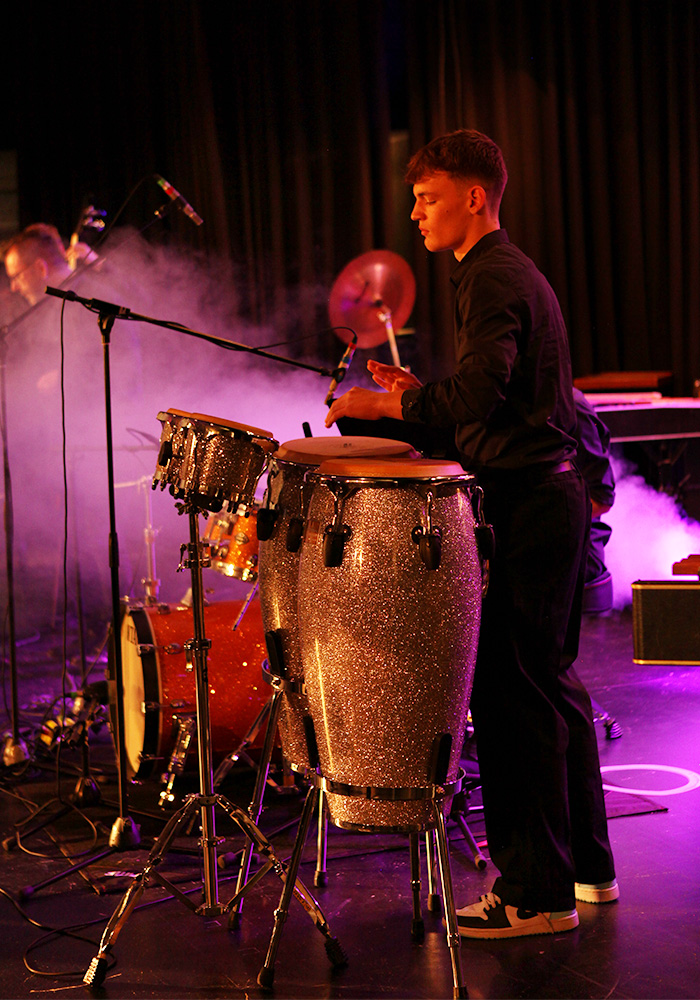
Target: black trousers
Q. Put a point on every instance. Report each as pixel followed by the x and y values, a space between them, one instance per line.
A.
pixel 538 755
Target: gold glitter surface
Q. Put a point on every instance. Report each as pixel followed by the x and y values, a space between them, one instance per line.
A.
pixel 288 493
pixel 388 646
pixel 219 460
pixel 278 571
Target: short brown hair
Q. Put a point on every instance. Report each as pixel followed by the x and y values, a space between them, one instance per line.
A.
pixel 465 153
pixel 41 239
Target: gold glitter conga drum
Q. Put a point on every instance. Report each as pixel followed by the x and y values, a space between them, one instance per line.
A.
pixel 280 528
pixel 389 612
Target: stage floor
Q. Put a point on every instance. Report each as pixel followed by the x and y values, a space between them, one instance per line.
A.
pixel 644 946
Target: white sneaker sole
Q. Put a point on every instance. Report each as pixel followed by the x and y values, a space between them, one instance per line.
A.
pixel 537 925
pixel 591 894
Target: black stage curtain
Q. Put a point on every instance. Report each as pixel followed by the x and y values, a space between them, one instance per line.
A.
pixel 278 120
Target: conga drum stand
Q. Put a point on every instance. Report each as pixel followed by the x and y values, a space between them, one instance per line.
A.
pixel 436 792
pixel 205 802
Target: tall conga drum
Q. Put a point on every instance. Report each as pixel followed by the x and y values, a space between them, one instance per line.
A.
pixel 389 599
pixel 280 528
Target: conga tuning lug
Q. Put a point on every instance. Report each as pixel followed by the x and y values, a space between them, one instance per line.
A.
pixel 429 545
pixel 295 530
pixel 334 544
pixel 267 519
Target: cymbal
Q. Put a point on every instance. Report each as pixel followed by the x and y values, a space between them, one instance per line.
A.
pixel 365 289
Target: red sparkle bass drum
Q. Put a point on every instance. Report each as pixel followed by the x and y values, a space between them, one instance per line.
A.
pixel 159 690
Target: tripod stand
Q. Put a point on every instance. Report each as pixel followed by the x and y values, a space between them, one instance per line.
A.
pixel 205 801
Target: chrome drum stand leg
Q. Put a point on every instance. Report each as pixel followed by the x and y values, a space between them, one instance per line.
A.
pixel 453 939
pixel 333 949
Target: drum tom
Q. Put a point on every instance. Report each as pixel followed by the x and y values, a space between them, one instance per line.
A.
pixel 233 543
pixel 210 461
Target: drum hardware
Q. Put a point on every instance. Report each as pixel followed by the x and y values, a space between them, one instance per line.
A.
pixel 435 792
pixel 206 800
pixel 273 674
pixel 246 604
pixel 427 538
pixel 150 583
pixel 186 727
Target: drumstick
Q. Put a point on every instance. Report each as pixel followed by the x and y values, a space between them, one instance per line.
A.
pixel 249 598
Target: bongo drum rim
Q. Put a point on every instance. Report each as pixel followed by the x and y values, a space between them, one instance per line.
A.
pixel 315 450
pixel 379 468
pixel 269 443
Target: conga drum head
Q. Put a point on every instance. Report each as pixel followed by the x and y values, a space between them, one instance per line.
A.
pixel 378 467
pixel 315 450
pixel 266 438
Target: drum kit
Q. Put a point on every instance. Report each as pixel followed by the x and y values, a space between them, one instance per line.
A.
pixel 367 560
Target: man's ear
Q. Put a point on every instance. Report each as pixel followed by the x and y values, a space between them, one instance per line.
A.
pixel 476 199
pixel 42 267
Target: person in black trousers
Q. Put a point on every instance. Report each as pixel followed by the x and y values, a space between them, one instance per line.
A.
pixel 510 397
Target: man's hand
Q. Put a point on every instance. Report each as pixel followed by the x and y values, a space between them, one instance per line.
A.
pixel 365 404
pixel 391 378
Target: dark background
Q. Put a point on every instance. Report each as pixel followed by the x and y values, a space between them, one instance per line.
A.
pixel 286 123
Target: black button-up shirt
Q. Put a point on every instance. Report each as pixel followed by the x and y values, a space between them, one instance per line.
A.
pixel 510 396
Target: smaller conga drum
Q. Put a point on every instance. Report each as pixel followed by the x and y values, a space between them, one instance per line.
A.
pixel 389 603
pixel 233 543
pixel 211 462
pixel 280 529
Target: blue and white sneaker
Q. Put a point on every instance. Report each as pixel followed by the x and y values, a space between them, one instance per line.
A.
pixel 490 918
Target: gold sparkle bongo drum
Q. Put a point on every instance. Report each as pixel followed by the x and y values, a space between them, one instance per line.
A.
pixel 280 527
pixel 389 597
pixel 210 461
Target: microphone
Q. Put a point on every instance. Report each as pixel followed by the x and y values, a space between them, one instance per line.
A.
pixel 175 196
pixel 339 373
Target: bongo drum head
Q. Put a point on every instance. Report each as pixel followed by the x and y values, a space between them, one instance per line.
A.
pixel 232 425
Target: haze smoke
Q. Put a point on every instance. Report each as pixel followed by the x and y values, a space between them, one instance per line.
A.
pixel 650 533
pixel 152 369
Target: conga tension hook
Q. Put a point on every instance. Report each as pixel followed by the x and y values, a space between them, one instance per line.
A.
pixel 427 538
pixel 336 533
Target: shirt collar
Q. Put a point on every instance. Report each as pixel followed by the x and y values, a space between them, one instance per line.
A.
pixel 485 243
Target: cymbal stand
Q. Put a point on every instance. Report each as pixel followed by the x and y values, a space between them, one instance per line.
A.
pixel 150 582
pixel 386 318
pixel 204 801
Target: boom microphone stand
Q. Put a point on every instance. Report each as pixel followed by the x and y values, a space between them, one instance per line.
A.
pixel 124 833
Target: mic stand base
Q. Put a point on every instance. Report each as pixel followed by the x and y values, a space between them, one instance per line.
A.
pixel 124 834
pixel 14 752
